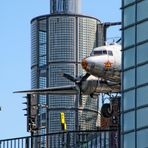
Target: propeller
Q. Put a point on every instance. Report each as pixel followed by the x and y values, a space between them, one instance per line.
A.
pixel 78 81
pixel 69 77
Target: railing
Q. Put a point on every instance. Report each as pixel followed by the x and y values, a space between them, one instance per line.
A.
pixel 69 139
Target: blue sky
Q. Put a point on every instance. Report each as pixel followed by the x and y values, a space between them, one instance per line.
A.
pixel 15 53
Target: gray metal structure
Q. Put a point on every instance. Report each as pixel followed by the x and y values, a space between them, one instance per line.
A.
pixel 58 43
pixel 135 74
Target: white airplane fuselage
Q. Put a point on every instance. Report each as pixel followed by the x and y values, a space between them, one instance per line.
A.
pixel 105 63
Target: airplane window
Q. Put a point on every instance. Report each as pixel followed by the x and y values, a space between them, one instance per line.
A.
pixel 98 52
pixel 104 52
pixel 110 53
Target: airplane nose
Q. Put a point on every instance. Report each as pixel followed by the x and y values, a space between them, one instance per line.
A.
pixel 84 63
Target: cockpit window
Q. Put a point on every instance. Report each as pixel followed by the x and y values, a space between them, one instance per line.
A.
pixel 110 53
pixel 98 52
pixel 102 52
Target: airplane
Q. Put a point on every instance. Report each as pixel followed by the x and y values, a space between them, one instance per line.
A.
pixel 102 72
pixel 104 62
pixel 102 75
pixel 102 67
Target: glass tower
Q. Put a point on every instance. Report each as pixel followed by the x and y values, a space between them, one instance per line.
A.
pixel 59 41
pixel 135 74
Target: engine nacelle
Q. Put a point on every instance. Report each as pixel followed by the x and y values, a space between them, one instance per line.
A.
pixel 94 85
pixel 89 85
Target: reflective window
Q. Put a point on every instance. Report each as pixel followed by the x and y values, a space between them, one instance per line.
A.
pixel 42 60
pixel 63 101
pixel 43 138
pixel 110 53
pixel 34 77
pixel 142 53
pixel 62 42
pixel 42 48
pixel 65 6
pixel 129 121
pixel 142 117
pixel 142 31
pixel 42 37
pixel 129 15
pixel 87 36
pixel 129 100
pixel 142 10
pixel 55 79
pixel 42 100
pixel 104 51
pixel 34 43
pixel 129 37
pixel 129 140
pixel 129 79
pixel 142 138
pixel 142 74
pixel 142 96
pixel 97 52
pixel 100 52
pixel 126 2
pixel 129 57
pixel 42 82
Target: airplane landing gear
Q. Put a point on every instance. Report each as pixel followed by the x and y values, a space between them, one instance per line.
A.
pixel 106 110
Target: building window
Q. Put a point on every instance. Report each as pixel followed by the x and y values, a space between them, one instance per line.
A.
pixel 142 74
pixel 55 79
pixel 62 43
pixel 142 119
pixel 42 60
pixel 126 2
pixel 129 140
pixel 62 102
pixel 129 121
pixel 34 43
pixel 87 37
pixel 42 48
pixel 129 79
pixel 34 77
pixel 142 31
pixel 142 53
pixel 129 100
pixel 129 58
pixel 42 82
pixel 141 10
pixel 129 37
pixel 142 96
pixel 129 15
pixel 142 140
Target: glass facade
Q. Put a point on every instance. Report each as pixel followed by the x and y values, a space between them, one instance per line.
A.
pixel 65 6
pixel 59 42
pixel 134 74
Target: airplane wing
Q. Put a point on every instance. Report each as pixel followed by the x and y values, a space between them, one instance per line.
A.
pixel 62 90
